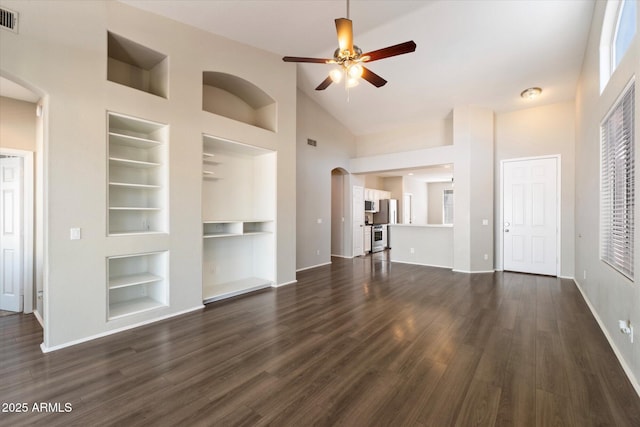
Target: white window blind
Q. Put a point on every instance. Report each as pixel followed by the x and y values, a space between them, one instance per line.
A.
pixel 617 184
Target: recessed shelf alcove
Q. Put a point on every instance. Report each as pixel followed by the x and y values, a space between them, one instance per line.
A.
pixel 238 99
pixel 134 65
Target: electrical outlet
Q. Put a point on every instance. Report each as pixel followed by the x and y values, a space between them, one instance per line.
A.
pixel 626 328
pixel 412 250
pixel 318 252
pixel 486 257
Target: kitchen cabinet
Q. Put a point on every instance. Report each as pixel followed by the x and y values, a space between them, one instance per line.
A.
pixel 238 218
pixel 368 194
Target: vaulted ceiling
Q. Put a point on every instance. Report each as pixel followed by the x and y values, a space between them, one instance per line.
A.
pixel 470 52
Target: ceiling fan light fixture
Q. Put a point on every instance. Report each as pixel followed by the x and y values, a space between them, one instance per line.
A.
pixel 355 71
pixel 336 75
pixel 531 93
pixel 351 82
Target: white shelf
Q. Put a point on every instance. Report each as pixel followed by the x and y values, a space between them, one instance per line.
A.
pixel 218 229
pixel 135 186
pixel 116 233
pixel 136 283
pixel 130 163
pixel 127 308
pixel 216 235
pixel 132 280
pixel 132 141
pixel 218 291
pixel 137 175
pixel 131 208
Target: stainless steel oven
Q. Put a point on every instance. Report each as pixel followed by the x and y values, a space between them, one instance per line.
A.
pixel 378 238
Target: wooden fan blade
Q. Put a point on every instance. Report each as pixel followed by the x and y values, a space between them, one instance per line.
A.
pixel 325 83
pixel 372 77
pixel 301 59
pixel 398 49
pixel 344 28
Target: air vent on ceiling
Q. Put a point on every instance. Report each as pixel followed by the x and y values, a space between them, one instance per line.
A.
pixel 312 142
pixel 8 20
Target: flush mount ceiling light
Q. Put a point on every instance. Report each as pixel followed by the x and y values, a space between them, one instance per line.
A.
pixel 531 93
pixel 349 58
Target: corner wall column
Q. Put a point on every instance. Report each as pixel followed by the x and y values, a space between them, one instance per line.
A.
pixel 473 136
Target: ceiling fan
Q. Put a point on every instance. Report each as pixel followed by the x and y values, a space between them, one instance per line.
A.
pixel 349 57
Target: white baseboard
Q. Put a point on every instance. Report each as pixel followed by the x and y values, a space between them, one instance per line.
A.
pixel 567 277
pixel 422 264
pixel 625 367
pixel 473 272
pixel 313 266
pixel 46 349
pixel 342 256
pixel 279 285
pixel 38 318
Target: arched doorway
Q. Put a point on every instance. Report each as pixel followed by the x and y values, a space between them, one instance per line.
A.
pixel 21 157
pixel 340 213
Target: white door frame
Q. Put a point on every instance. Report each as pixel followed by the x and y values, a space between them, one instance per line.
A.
pixel 28 255
pixel 500 224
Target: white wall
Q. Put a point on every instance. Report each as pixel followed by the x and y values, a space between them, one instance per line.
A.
pixel 473 134
pixel 423 245
pixel 611 295
pixel 68 63
pixel 335 146
pixel 541 131
pixel 17 124
pixel 413 136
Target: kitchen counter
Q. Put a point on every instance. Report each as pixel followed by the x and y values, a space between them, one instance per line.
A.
pixel 428 244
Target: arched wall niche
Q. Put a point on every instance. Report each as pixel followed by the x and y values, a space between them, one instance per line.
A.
pixel 238 99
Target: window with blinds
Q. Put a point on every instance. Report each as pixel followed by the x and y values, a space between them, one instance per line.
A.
pixel 617 190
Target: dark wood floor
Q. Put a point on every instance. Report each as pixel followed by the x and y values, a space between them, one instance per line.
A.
pixel 358 343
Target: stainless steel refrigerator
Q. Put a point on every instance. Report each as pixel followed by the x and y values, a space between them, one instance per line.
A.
pixel 388 212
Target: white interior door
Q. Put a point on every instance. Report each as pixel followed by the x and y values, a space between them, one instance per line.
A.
pixel 358 220
pixel 530 214
pixel 11 251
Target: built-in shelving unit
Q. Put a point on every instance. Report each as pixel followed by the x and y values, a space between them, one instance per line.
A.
pixel 136 283
pixel 238 210
pixel 134 65
pixel 215 229
pixel 137 175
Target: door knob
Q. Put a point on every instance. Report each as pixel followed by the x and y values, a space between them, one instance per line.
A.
pixel 506 230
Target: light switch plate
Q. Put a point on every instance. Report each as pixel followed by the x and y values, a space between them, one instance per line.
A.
pixel 75 234
pixel 485 222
